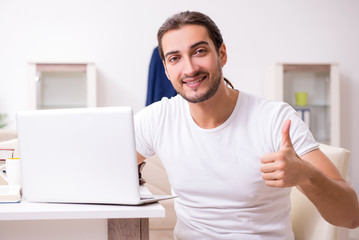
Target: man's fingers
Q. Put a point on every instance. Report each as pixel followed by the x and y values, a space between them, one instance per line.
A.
pixel 275 183
pixel 268 167
pixel 279 168
pixel 286 141
pixel 268 157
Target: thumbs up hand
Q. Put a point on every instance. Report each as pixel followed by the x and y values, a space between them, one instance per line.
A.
pixel 283 168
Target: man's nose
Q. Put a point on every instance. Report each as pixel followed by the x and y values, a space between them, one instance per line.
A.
pixel 189 67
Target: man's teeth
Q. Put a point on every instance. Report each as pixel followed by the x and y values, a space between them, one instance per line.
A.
pixel 196 81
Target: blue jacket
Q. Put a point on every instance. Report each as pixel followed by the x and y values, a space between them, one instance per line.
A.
pixel 158 84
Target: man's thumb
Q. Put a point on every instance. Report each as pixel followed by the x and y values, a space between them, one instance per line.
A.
pixel 285 134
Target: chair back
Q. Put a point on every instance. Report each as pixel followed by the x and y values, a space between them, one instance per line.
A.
pixel 307 223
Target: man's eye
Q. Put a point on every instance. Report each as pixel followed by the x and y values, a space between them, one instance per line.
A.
pixel 173 59
pixel 200 51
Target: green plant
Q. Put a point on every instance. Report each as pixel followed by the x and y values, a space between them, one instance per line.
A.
pixel 2 120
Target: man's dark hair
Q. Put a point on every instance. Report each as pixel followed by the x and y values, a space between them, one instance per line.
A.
pixel 190 18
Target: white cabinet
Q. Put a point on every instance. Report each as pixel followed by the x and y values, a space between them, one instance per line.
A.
pixel 320 83
pixel 62 85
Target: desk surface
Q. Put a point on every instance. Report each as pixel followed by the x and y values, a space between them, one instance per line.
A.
pixel 47 211
pixel 38 211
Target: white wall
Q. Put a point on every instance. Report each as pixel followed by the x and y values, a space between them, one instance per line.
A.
pixel 119 37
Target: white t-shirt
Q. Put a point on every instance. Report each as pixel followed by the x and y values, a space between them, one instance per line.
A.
pixel 216 172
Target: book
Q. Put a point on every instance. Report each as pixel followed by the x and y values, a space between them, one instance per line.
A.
pixel 304 114
pixel 10 193
pixel 6 153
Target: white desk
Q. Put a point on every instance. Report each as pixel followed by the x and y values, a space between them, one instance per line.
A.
pixel 124 222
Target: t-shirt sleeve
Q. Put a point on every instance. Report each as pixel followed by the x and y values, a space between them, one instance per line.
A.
pixel 300 135
pixel 144 132
pixel 147 124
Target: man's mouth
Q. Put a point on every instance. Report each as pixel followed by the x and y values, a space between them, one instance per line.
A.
pixel 193 82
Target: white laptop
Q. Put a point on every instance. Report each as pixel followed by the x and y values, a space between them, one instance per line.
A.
pixel 85 155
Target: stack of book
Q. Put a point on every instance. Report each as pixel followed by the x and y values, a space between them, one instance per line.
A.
pixel 6 153
pixel 10 193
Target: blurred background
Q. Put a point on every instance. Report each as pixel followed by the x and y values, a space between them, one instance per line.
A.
pixel 119 38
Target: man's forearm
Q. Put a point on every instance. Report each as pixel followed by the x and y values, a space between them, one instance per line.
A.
pixel 336 201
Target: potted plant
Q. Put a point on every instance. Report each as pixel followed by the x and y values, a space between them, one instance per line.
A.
pixel 2 120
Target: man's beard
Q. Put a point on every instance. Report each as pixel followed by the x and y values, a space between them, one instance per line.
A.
pixel 215 81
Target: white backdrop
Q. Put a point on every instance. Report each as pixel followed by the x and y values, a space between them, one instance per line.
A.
pixel 119 37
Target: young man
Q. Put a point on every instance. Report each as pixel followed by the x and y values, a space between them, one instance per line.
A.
pixel 232 157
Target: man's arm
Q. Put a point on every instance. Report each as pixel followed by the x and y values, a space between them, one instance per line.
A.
pixel 336 201
pixel 141 163
pixel 140 158
pixel 316 176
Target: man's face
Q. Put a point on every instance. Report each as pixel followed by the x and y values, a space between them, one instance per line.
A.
pixel 192 62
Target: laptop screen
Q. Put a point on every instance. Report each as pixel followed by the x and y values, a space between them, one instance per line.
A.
pixel 78 155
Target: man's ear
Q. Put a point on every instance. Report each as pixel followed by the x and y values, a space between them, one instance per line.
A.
pixel 164 65
pixel 223 54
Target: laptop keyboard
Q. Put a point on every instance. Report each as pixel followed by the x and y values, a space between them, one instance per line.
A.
pixel 146 197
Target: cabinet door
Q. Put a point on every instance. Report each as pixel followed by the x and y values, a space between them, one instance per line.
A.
pixel 319 85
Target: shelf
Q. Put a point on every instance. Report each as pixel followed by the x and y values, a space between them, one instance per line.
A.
pixel 54 67
pixel 306 68
pixel 311 106
pixel 61 106
pixel 321 83
pixel 62 85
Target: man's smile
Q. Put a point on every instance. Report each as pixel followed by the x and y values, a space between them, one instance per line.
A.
pixel 193 81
